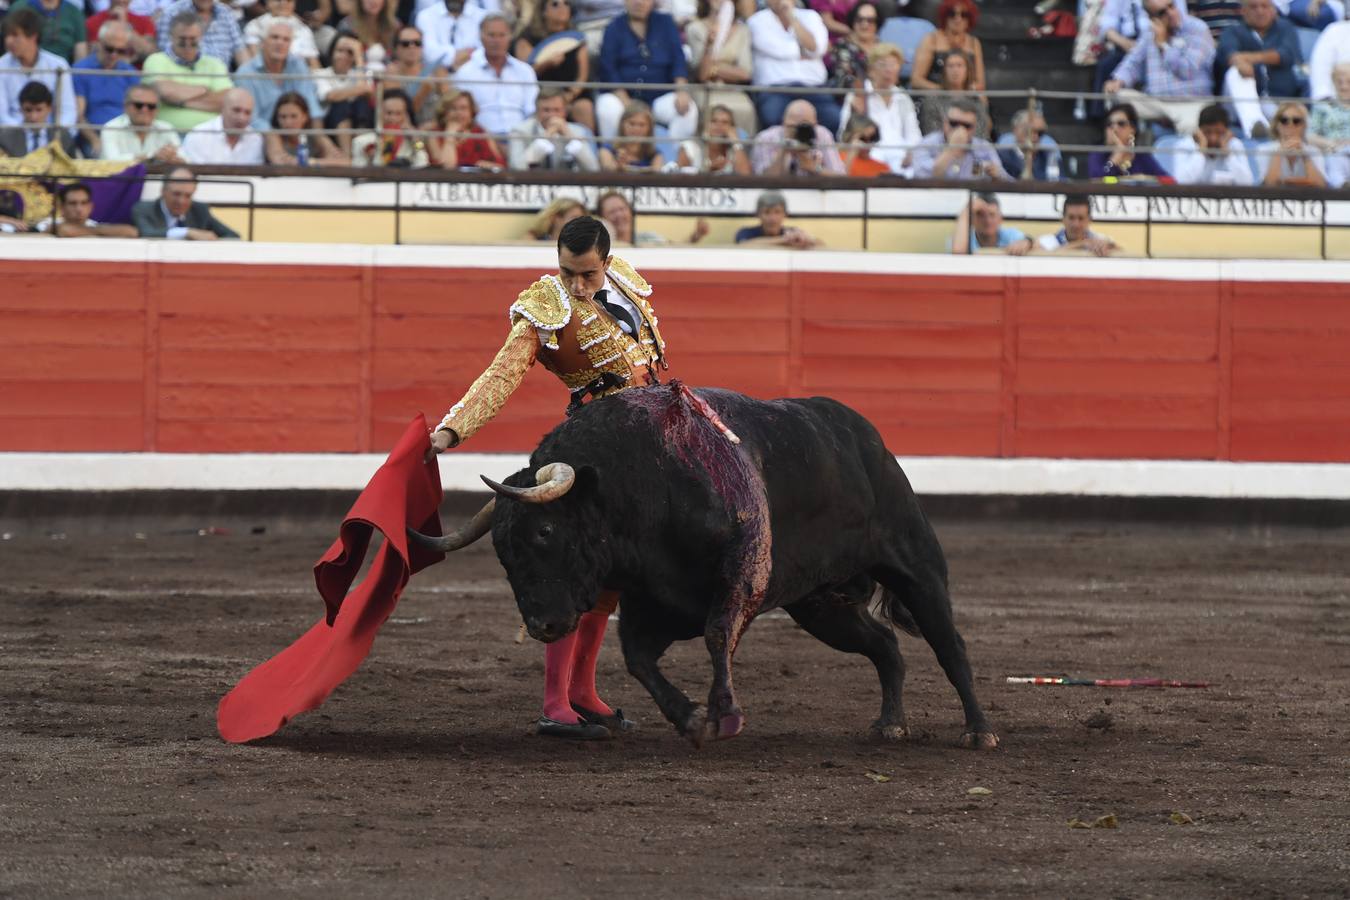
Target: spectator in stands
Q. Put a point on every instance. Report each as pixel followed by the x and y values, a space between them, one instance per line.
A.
pixel 502 86
pixel 890 109
pixel 345 91
pixel 176 216
pixel 450 30
pixel 720 152
pixel 76 203
pixel 773 230
pixel 465 144
pixel 275 72
pixel 1175 59
pixel 293 141
pixel 548 224
pixel 634 149
pixel 547 141
pixel 956 153
pixel 551 45
pixel 221 37
pixel 1329 127
pixel 63 31
pixel 229 139
pixel 616 212
pixel 1028 131
pixel 36 130
pixel 191 85
pixel 956 26
pixel 987 231
pixel 1217 15
pixel 137 134
pixel 1258 60
pixel 834 13
pixel 846 62
pixel 142 39
pixel 98 98
pixel 799 146
pixel 302 38
pixel 1213 155
pixel 957 81
pixel 1315 14
pixel 643 47
pixel 390 146
pixel 375 24
pixel 25 61
pixel 1122 24
pixel 1332 49
pixel 1077 233
pixel 1123 161
pixel 1291 159
pixel 423 81
pixel 788 48
pixel 860 136
pixel 719 53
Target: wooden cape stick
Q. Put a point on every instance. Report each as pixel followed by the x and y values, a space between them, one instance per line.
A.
pixel 1108 682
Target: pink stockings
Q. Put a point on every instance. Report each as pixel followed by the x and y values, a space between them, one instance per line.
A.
pixel 569 669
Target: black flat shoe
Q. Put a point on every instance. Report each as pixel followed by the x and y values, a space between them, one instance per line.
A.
pixel 615 722
pixel 577 731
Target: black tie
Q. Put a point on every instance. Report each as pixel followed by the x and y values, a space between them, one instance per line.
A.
pixel 627 321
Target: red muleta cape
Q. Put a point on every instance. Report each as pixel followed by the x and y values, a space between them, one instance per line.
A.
pixel 404 493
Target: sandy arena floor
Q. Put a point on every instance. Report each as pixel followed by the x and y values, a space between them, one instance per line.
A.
pixel 420 776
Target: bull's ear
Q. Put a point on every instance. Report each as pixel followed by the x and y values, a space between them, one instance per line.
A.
pixel 587 485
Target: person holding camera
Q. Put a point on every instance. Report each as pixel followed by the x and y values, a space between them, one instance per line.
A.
pixel 955 153
pixel 799 146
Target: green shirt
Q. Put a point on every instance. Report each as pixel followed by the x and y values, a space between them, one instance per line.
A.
pixel 61 30
pixel 209 72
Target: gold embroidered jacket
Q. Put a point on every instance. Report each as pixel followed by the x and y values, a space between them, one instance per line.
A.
pixel 577 341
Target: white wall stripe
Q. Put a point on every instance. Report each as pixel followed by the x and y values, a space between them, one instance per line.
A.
pixel 460 471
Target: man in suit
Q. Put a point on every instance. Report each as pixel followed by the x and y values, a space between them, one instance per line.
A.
pixel 36 132
pixel 175 216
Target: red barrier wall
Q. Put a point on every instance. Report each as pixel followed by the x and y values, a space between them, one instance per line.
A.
pixel 225 358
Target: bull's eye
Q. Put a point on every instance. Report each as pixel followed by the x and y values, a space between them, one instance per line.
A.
pixel 545 530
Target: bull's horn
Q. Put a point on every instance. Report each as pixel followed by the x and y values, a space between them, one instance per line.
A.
pixel 466 535
pixel 551 482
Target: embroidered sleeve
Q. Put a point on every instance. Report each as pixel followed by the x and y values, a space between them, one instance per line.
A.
pixel 489 393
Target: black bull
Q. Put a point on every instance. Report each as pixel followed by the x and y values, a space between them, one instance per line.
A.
pixel 639 493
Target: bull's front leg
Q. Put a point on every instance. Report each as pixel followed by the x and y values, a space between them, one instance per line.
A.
pixel 748 577
pixel 644 642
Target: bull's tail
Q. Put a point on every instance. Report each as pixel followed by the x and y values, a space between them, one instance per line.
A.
pixel 891 608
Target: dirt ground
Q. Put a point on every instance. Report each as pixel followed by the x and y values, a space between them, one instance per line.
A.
pixel 420 776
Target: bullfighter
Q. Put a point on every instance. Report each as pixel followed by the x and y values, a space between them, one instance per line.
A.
pixel 593 326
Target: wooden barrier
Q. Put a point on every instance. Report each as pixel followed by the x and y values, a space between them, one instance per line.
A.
pixel 231 357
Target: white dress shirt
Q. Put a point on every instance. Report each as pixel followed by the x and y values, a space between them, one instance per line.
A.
pixel 778 58
pixel 120 141
pixel 445 35
pixel 505 99
pixel 206 144
pixel 1194 166
pixel 897 126
pixel 13 77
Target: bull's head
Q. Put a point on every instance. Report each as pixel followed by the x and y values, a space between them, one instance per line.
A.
pixel 548 540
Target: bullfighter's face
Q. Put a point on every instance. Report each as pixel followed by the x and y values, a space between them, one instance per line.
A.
pixel 582 273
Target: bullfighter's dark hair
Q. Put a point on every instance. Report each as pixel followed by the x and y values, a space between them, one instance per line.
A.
pixel 35 92
pixel 583 233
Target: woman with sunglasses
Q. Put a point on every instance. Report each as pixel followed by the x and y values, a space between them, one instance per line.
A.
pixel 847 61
pixel 293 140
pixel 1123 161
pixel 423 81
pixel 956 23
pixel 1291 159
pixel 549 41
pixel 719 55
pixel 888 107
pixel 860 136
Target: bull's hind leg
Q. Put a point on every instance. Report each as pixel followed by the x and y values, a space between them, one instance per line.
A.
pixel 924 594
pixel 644 642
pixel 840 619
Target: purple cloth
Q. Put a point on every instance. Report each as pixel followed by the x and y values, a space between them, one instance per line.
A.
pixel 115 195
pixel 1100 166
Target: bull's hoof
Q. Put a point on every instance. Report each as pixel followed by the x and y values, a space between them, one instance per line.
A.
pixel 979 740
pixel 693 726
pixel 890 732
pixel 730 725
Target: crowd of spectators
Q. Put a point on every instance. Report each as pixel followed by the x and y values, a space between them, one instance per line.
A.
pixel 661 85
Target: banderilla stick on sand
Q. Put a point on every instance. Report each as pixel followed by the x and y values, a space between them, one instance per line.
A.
pixel 1108 682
